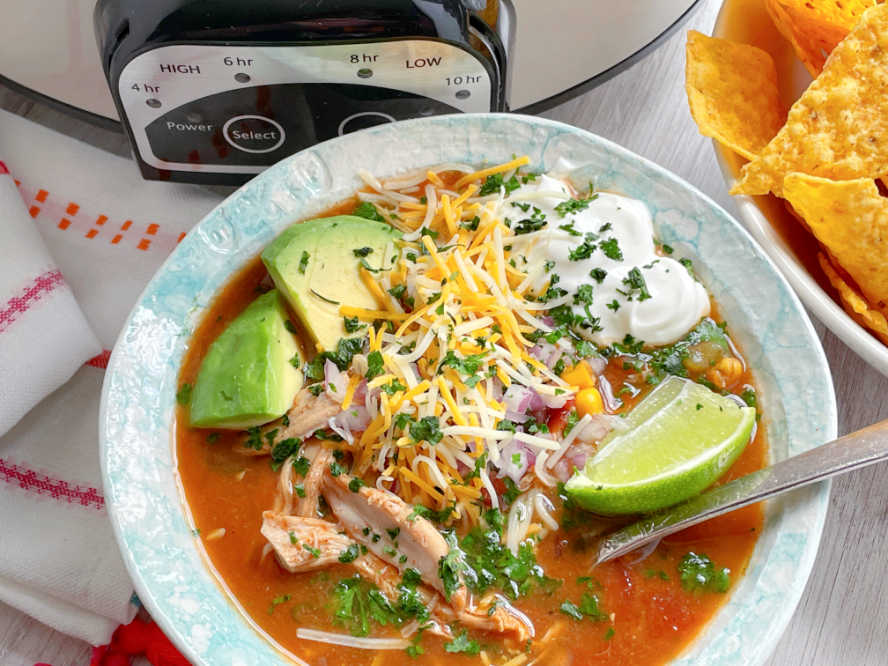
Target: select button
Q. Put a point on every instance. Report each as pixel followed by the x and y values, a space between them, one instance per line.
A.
pixel 253 134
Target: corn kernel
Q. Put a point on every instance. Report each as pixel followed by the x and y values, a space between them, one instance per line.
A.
pixel 580 375
pixel 589 402
pixel 731 368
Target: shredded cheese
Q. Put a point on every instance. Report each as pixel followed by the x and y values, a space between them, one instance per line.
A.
pixel 455 337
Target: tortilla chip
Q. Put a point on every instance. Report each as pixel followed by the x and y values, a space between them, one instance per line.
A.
pixel 838 128
pixel 854 304
pixel 732 92
pixel 850 218
pixel 815 27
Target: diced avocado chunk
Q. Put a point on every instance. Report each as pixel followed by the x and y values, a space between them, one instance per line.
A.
pixel 247 378
pixel 315 265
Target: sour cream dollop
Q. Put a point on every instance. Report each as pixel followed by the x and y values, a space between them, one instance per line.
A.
pixel 605 259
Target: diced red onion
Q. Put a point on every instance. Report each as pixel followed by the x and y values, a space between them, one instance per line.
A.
pixel 354 419
pixel 508 467
pixel 597 364
pixel 516 417
pixel 361 393
pixel 554 401
pixel 563 470
pixel 597 428
pixel 335 382
pixel 546 353
pixel 517 398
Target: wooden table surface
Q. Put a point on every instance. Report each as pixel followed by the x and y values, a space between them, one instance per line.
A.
pixel 843 613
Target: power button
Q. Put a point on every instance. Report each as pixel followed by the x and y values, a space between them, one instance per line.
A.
pixel 253 134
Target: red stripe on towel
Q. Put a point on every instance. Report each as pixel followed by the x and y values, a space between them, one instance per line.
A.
pixel 100 361
pixel 42 285
pixel 3 169
pixel 57 489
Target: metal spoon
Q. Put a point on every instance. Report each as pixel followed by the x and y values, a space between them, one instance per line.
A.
pixel 853 451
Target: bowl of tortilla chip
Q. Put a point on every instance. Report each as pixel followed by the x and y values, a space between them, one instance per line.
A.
pixel 794 94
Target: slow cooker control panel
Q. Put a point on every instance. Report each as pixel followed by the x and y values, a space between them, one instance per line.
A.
pixel 237 109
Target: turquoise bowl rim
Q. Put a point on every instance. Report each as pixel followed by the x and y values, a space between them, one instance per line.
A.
pixel 170 570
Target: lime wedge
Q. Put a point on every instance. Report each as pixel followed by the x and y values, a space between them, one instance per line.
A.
pixel 680 439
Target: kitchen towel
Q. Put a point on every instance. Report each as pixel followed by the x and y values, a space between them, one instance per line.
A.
pixel 44 336
pixel 106 231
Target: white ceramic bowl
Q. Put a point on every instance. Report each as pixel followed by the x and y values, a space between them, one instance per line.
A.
pixel 794 79
pixel 146 503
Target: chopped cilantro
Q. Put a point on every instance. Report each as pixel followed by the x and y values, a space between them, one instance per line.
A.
pixel 574 205
pixel 468 365
pixel 277 601
pixel 402 420
pixel 301 465
pixel 284 449
pixel 569 228
pixel 571 609
pixel 350 554
pixel 315 552
pixel 571 421
pixel 584 294
pixel 697 572
pixel 471 225
pixel 637 285
pixel 362 251
pixel 749 396
pixel 183 395
pixel 582 251
pixel 346 348
pixel 512 490
pixel 303 261
pixel 367 210
pixel 393 387
pixel 438 516
pixel 336 469
pixel 352 324
pixel 611 249
pixel 254 439
pixel 289 326
pixel 613 305
pixel 374 364
pixel 493 183
pixel 428 429
pixel 462 643
pixel 598 274
pixel 356 484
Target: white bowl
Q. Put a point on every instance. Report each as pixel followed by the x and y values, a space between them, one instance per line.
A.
pixel 794 79
pixel 146 503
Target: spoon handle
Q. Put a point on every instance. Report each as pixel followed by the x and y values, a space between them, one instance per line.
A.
pixel 853 451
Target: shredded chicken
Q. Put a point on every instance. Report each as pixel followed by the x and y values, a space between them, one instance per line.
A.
pixel 308 413
pixel 417 540
pixel 387 578
pixel 303 544
pixel 395 540
pixel 391 532
pixel 503 619
pixel 320 466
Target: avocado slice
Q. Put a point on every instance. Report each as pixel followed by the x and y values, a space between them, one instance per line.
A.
pixel 315 266
pixel 246 379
